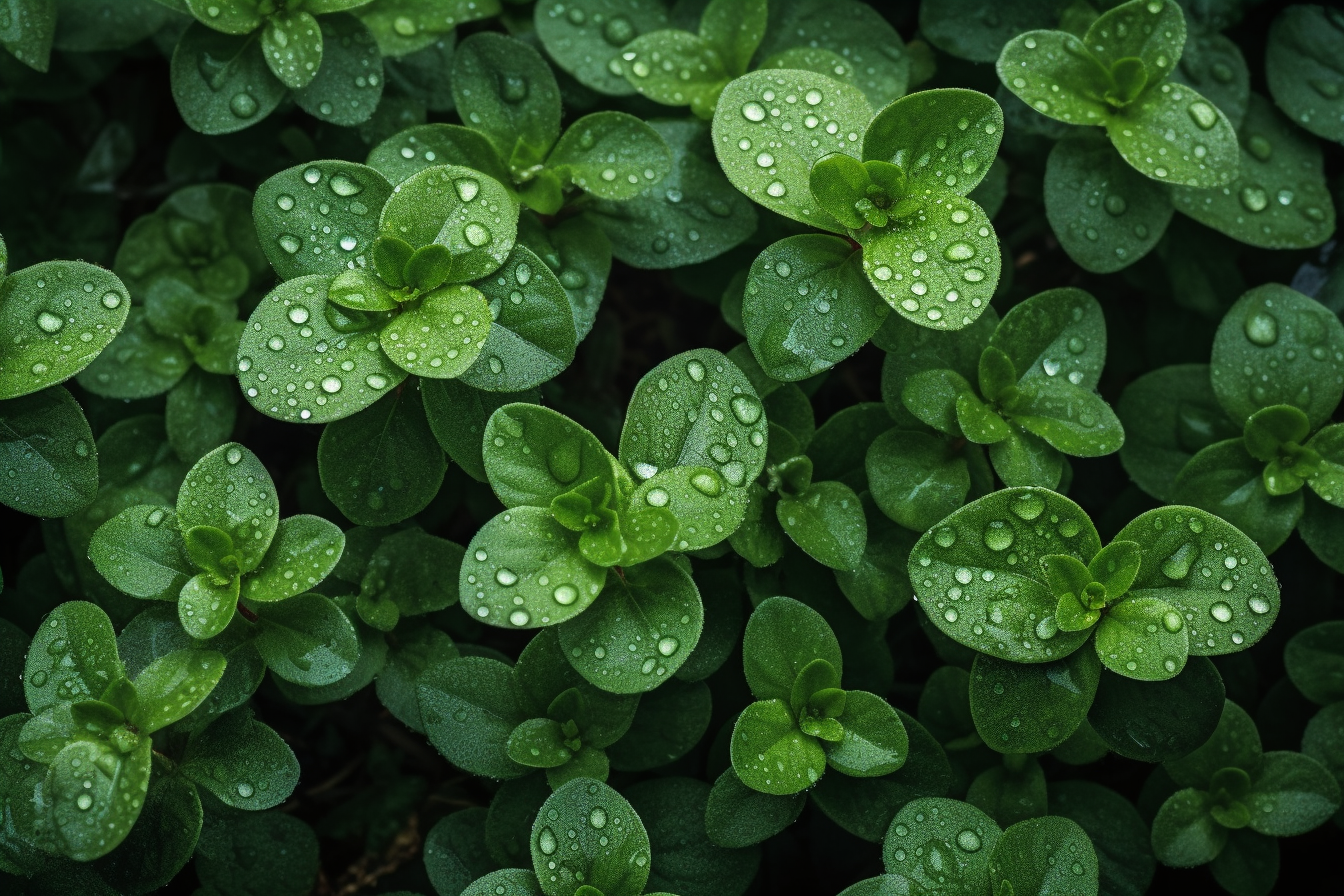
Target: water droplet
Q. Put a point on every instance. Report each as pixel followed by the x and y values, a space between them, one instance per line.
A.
pixel 331 384
pixel 546 841
pixel 1203 115
pixel 959 252
pixel 84 801
pixel 506 577
pixel 707 484
pixel 285 202
pixel 968 840
pixel 565 595
pixel 1262 328
pixel 1258 605
pixel 1260 147
pixel 753 112
pixel 519 618
pixel 289 243
pixel 298 314
pixel 234 455
pixel 111 300
pixel 1115 204
pixel 1171 621
pixel 243 105
pixel 950 615
pixel 695 370
pixel 668 645
pixel 244 789
pixel 1028 506
pixel 945 537
pixel 375 381
pixel 49 323
pixel 344 185
pixel 998 536
pixel 1221 611
pixel 776 189
pixel 476 234
pixel 1254 198
pixel 747 410
pixel 657 497
pixel 312 175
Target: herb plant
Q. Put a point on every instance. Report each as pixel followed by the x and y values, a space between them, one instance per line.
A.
pixel 483 448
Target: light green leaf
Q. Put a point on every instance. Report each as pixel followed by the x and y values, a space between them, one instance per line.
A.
pixel 1214 576
pixel 827 522
pixel 1203 151
pixel 1143 638
pixel 141 553
pixel 524 553
pixel 221 82
pixel 611 155
pixel 471 214
pixel 443 336
pixel 291 41
pixel 1044 855
pixel 1224 479
pixel 503 88
pixel 770 754
pixel 532 337
pixel 305 551
pixel 174 685
pixel 1279 199
pixel 47 443
pixel 297 339
pixel 382 465
pixel 675 68
pixel 587 44
pixel 706 509
pixel 939 267
pixel 960 835
pixel 942 139
pixel 875 742
pixel 54 672
pixel 55 317
pixel 1071 419
pixel 1106 215
pixel 424 146
pixel 117 784
pixel 654 606
pixel 1033 64
pixel 782 637
pixel 319 218
pixel 772 165
pixel 231 490
pixel 205 606
pixel 707 415
pixel 608 852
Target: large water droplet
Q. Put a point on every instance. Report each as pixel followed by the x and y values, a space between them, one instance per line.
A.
pixel 1203 115
pixel 344 185
pixel 753 112
pixel 1261 328
pixel 998 536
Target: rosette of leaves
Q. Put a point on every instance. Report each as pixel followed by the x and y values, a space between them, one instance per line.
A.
pixel 802 721
pixel 55 319
pixel 510 105
pixel 107 762
pixel 1021 576
pixel 1249 437
pixel 947 846
pixel 1033 398
pixel 585 840
pixel 189 266
pixel 1118 75
pixel 232 66
pixel 432 285
pixel 224 553
pixel 1235 801
pixel 504 721
pixel 892 189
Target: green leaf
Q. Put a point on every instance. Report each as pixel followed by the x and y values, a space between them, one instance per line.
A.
pixel 960 835
pixel 1292 795
pixel 47 443
pixel 291 41
pixel 205 605
pixel 470 213
pixel 1044 855
pixel 760 539
pixel 174 685
pixel 670 722
pixel 305 551
pixel 1184 833
pixel 579 254
pixel 587 44
pixel 221 82
pixel 55 317
pixel 688 862
pixel 1106 215
pixel 306 640
pixel 73 656
pixel 1135 638
pixel 443 336
pixel 808 306
pixel 611 155
pixel 1328 483
pixel 503 88
pixel 1071 419
pixel 865 41
pixel 782 637
pixel 916 479
pixel 654 606
pixel 1034 63
pixel 1225 479
pixel 1234 744
pixel 295 344
pixel 348 86
pixel 470 706
pixel 455 851
pixel 695 409
pixel 263 846
pixel 1047 701
pixel 734 30
pixel 970 574
pixel 770 754
pixel 938 268
pixel 532 337
pixel 414 149
pixel 458 415
pixel 1009 795
pixel 879 587
pixel 242 762
pixel 1249 865
pixel 770 164
pixel 382 465
pixel 1257 335
pixel 1314 660
pixel 538 743
pixel 1279 199
pixel 691 215
pixel 827 522
pixel 942 139
pixel 319 218
pixel 1204 151
pixel 705 509
pixel 1135 718
pixel 609 851
pixel 200 413
pixel 875 741
pixel 1168 415
pixel 1023 459
pixel 164 836
pixel 509 881
pixel 229 489
pixel 676 68
pixel 27 35
pixel 1119 835
pixel 117 783
pixel 1214 576
pixel 1302 65
pixel 737 816
pixel 139 363
pixel 525 554
pixel 978 29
